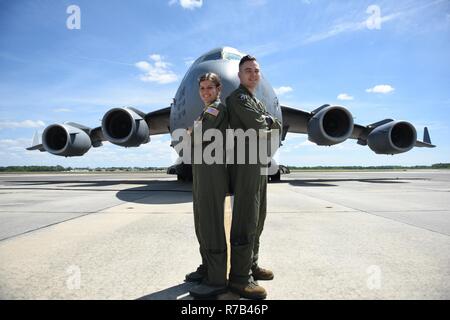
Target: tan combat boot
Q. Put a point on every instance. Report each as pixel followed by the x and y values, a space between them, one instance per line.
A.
pixel 259 273
pixel 248 290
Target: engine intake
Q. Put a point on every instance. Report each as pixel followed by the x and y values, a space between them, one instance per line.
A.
pixel 331 125
pixel 125 127
pixel 65 140
pixel 392 138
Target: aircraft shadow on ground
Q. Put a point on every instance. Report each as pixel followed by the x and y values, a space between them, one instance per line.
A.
pixel 92 183
pixel 172 191
pixel 147 191
pixel 329 182
pixel 165 194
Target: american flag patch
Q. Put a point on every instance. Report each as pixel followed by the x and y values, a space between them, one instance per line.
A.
pixel 212 111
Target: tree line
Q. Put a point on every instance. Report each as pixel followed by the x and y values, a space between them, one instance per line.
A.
pixel 70 169
pixel 129 169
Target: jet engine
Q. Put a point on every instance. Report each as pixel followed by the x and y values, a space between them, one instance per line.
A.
pixel 392 138
pixel 125 127
pixel 65 140
pixel 330 125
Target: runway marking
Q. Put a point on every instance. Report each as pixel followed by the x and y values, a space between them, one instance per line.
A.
pixel 227 222
pixel 42 227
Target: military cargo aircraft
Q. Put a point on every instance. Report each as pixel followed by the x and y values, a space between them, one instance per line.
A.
pixel 130 127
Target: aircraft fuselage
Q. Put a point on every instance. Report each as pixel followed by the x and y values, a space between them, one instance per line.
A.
pixel 187 104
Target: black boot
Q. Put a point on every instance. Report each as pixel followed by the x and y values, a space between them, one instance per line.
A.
pixel 197 275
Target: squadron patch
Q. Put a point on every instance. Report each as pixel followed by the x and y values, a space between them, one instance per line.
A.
pixel 243 97
pixel 212 111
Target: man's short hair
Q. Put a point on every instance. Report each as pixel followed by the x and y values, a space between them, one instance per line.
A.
pixel 245 59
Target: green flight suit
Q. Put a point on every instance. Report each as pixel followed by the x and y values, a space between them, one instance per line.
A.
pixel 248 184
pixel 209 189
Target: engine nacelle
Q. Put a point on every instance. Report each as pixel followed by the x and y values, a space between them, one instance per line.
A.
pixel 392 138
pixel 331 125
pixel 65 140
pixel 125 127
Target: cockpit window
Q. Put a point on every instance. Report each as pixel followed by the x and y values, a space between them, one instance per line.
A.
pixel 213 56
pixel 231 56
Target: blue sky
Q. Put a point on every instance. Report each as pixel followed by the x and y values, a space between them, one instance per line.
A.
pixel 392 65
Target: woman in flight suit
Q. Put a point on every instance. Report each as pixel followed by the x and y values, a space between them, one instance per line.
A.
pixel 209 188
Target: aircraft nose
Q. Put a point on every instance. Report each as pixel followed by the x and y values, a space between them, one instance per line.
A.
pixel 230 82
pixel 226 70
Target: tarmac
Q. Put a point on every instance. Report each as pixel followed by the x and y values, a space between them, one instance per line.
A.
pixel 328 235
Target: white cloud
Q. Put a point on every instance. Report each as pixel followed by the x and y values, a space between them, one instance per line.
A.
pixel 282 90
pixel 13 143
pixel 335 30
pixel 156 70
pixel 191 4
pixel 344 96
pixel 381 88
pixel 21 124
pixel 353 26
pixel 188 4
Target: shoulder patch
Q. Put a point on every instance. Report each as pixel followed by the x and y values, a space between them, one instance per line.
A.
pixel 243 97
pixel 212 111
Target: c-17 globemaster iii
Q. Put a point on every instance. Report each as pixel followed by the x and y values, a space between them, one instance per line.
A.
pixel 130 127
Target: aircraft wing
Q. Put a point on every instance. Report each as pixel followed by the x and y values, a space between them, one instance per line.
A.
pixel 127 127
pixel 295 120
pixel 329 125
pixel 158 121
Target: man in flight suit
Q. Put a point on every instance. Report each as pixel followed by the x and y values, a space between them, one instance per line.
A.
pixel 249 185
